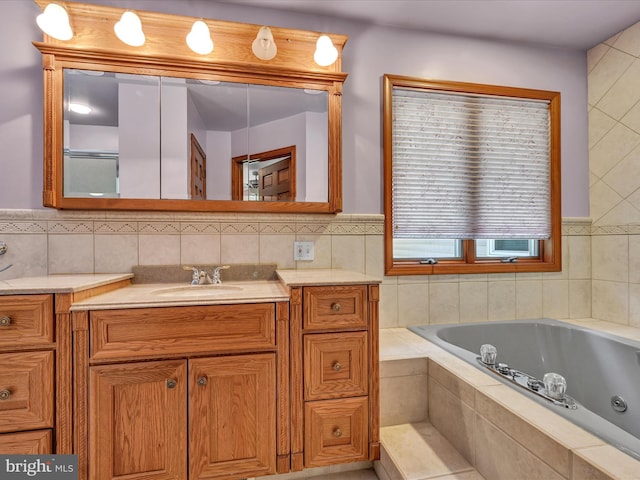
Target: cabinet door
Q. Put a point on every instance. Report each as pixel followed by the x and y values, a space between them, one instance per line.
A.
pixel 138 421
pixel 232 416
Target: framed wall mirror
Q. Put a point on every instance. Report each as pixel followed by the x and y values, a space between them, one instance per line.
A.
pixel 142 131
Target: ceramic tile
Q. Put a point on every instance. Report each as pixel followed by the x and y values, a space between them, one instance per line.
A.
pixel 374 255
pixel 200 249
pixel 70 253
pixel 610 301
pixel 579 298
pixel 115 253
pixel 599 125
pixel 602 199
pixel 604 463
pixel 623 178
pixel 604 74
pixel 457 375
pixel 322 251
pixel 634 304
pixel 623 94
pixel 239 248
pixel 555 298
pixel 528 299
pixel 473 301
pixel 388 306
pixel 595 54
pixel 614 146
pixel 394 344
pixel 403 367
pixel 452 382
pixel 508 462
pixel 27 253
pixel 578 249
pixel 632 118
pixel 502 300
pixel 629 40
pixel 453 418
pixel 278 249
pixel 421 451
pixel 444 303
pixel 159 249
pixel 413 303
pixel 347 252
pixel 403 399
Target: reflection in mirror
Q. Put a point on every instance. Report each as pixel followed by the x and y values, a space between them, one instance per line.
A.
pixel 181 135
pixel 266 177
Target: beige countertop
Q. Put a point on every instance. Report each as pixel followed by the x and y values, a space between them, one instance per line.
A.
pixel 180 294
pixel 303 277
pixel 58 283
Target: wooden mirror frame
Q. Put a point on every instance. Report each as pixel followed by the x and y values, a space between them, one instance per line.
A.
pixel 95 46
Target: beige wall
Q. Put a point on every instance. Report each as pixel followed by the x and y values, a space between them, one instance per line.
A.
pixel 614 165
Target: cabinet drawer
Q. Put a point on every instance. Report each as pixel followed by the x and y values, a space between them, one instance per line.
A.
pixel 26 320
pixel 336 431
pixel 146 332
pixel 26 390
pixel 335 365
pixel 26 443
pixel 335 307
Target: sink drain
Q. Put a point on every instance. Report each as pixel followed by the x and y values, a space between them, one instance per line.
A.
pixel 618 403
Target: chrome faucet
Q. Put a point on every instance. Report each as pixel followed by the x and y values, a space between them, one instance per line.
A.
pixel 200 277
pixel 216 274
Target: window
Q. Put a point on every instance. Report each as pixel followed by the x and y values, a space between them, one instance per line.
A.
pixel 471 178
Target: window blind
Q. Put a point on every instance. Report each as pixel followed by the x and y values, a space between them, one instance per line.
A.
pixel 468 166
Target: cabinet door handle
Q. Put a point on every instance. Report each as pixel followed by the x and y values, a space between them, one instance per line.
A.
pixel 335 307
pixel 171 383
pixel 337 432
pixel 202 381
pixel 5 394
pixel 5 321
pixel 337 366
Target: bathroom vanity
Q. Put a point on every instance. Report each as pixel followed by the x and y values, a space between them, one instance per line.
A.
pixel 195 382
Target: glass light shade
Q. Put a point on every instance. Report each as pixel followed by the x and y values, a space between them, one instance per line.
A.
pixel 129 29
pixel 325 53
pixel 263 46
pixel 199 38
pixel 54 21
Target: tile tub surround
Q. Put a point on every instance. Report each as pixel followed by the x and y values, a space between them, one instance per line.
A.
pixel 45 242
pixel 500 432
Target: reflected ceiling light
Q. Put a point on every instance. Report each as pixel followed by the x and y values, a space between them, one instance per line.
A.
pixel 325 53
pixel 129 29
pixel 199 38
pixel 79 108
pixel 263 46
pixel 209 82
pixel 54 21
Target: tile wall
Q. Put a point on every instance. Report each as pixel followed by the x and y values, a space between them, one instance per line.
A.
pixel 614 165
pixel 55 242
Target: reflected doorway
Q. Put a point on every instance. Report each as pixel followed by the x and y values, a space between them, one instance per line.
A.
pixel 265 176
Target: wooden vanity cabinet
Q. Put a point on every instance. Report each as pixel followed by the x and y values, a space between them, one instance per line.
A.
pixel 27 350
pixel 182 392
pixel 335 401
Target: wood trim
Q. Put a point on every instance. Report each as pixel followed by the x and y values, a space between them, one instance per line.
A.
pixel 80 330
pixel 297 403
pixel 237 163
pixel 374 372
pixel 283 417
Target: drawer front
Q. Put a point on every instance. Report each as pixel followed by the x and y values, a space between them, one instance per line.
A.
pixel 146 332
pixel 37 442
pixel 336 431
pixel 333 307
pixel 26 391
pixel 335 365
pixel 26 320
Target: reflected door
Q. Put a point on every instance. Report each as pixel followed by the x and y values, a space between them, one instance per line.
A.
pixel 275 181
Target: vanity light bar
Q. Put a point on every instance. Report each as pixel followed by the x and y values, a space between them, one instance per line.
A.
pixel 54 21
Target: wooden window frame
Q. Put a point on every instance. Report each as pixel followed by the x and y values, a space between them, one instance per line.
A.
pixel 549 251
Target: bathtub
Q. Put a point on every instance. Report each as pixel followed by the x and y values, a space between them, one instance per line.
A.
pixel 597 367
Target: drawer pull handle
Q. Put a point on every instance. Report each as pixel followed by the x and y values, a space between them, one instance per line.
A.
pixel 171 383
pixel 337 432
pixel 5 394
pixel 335 307
pixel 337 366
pixel 202 381
pixel 5 321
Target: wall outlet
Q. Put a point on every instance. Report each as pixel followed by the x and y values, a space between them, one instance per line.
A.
pixel 303 250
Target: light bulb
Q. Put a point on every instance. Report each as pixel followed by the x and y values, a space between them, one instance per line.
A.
pixel 54 21
pixel 325 53
pixel 129 29
pixel 199 38
pixel 263 46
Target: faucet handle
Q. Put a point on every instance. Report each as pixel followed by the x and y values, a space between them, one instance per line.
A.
pixel 195 278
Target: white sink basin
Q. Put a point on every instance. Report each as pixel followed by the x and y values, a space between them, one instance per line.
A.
pixel 197 291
